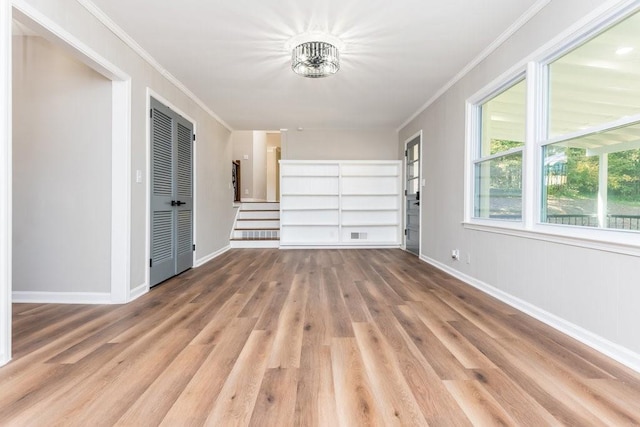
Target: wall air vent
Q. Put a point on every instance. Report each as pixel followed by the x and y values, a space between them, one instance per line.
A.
pixel 358 236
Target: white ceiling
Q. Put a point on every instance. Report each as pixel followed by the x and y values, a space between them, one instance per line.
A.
pixel 231 54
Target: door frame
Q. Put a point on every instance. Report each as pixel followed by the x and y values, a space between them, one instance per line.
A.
pixel 120 291
pixel 152 94
pixel 404 185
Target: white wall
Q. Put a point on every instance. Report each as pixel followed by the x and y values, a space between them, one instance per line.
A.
pixel 587 290
pixel 317 144
pixel 214 170
pixel 61 172
pixel 242 146
pixel 259 165
pixel 273 144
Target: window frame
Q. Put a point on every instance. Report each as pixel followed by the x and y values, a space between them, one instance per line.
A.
pixel 474 142
pixel 535 69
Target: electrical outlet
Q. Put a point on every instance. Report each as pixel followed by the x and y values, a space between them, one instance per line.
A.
pixel 468 258
pixel 455 254
pixel 246 191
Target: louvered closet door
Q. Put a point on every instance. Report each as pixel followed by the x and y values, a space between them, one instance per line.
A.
pixel 184 193
pixel 171 194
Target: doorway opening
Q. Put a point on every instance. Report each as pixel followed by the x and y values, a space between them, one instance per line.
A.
pixel 257 157
pixel 70 184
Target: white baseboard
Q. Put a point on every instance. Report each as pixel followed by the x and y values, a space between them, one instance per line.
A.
pixel 62 297
pixel 333 246
pixel 138 291
pixel 598 343
pixel 249 244
pixel 206 259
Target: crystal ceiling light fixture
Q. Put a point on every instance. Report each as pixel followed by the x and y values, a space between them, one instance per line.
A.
pixel 315 55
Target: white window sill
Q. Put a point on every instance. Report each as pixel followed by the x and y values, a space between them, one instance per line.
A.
pixel 616 241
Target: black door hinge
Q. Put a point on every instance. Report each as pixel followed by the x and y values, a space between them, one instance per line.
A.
pixel 194 137
pixel 150 262
pixel 194 247
pixel 405 231
pixel 151 113
pixel 405 192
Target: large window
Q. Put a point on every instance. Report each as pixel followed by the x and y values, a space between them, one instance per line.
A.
pixel 591 168
pixel 570 156
pixel 498 159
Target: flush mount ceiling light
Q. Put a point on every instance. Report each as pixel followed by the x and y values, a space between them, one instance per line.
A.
pixel 315 55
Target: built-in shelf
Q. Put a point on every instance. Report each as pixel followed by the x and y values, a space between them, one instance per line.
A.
pixel 340 203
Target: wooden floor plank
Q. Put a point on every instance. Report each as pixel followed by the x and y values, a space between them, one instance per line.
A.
pixel 307 338
pixel 276 400
pixel 237 398
pixel 355 400
pixel 394 397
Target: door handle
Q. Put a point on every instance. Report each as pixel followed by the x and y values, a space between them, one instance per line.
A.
pixel 177 203
pixel 417 203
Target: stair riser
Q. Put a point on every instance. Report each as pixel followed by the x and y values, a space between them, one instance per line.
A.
pixel 256 234
pixel 260 206
pixel 259 215
pixel 253 224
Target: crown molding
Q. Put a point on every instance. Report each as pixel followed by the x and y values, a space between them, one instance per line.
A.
pixel 129 41
pixel 519 23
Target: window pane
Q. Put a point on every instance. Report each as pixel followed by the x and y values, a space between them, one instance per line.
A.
pixel 413 153
pixel 503 121
pixel 413 170
pixel 572 179
pixel 571 183
pixel 623 185
pixel 598 82
pixel 413 186
pixel 499 188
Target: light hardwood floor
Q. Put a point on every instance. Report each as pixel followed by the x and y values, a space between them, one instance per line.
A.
pixel 307 337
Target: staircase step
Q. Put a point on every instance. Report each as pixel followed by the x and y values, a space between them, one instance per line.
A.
pixel 264 223
pixel 259 214
pixel 260 206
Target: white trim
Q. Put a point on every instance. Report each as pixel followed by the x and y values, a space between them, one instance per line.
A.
pixel 247 244
pixel 473 137
pixel 138 291
pixel 120 139
pixel 122 35
pixel 62 297
pixel 202 261
pixel 334 246
pixel 5 182
pixel 617 241
pixel 598 343
pixel 121 192
pixel 519 23
pixel 44 26
pixel 597 129
pixel 508 152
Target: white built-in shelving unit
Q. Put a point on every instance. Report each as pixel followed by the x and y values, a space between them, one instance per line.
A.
pixel 340 203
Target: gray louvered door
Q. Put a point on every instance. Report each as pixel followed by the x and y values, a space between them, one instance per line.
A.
pixel 171 193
